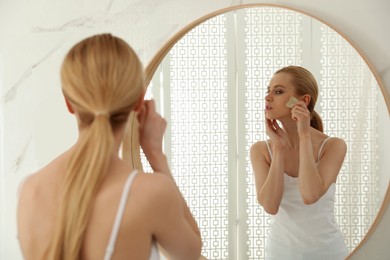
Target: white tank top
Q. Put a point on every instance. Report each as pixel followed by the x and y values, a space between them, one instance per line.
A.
pixel 154 254
pixel 300 231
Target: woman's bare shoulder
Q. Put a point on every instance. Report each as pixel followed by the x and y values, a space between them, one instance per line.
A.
pixel 155 193
pixel 338 144
pixel 337 140
pixel 46 178
pixel 334 143
pixel 154 187
pixel 259 146
pixel 334 147
pixel 260 150
pixel 154 183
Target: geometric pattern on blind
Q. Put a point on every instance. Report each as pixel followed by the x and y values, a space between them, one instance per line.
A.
pixel 194 89
pixel 349 105
pixel 199 130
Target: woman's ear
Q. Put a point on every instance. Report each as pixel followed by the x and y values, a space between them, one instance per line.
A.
pixel 69 106
pixel 306 99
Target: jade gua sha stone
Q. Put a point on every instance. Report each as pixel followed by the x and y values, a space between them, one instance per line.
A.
pixel 291 102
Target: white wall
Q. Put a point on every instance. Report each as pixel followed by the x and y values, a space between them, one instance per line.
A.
pixel 34 37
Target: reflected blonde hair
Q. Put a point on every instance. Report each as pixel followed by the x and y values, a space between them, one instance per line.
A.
pixel 305 83
pixel 100 75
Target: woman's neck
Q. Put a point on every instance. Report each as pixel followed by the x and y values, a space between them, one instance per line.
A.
pixel 290 127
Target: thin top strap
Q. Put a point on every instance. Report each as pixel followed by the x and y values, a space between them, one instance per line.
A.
pixel 269 148
pixel 319 151
pixel 322 145
pixel 119 215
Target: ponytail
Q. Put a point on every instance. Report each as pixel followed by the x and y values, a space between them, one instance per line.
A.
pixel 86 170
pixel 316 121
pixel 102 78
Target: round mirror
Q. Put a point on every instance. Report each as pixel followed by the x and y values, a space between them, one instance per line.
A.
pixel 209 82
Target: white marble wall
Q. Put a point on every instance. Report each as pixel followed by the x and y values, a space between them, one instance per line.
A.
pixel 34 36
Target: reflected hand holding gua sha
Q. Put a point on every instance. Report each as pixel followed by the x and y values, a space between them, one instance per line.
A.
pixel 291 102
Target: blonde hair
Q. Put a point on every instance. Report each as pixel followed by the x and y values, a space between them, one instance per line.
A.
pixel 305 83
pixel 102 78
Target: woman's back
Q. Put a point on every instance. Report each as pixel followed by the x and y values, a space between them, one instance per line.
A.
pixel 67 210
pixel 39 199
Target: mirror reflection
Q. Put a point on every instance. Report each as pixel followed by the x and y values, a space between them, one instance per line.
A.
pixel 211 88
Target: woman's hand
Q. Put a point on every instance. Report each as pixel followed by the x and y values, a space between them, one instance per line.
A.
pixel 151 130
pixel 301 115
pixel 277 135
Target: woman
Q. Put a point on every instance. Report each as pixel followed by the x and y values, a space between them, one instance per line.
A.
pixel 295 171
pixel 90 204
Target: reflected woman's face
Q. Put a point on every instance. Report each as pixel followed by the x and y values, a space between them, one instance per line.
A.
pixel 279 91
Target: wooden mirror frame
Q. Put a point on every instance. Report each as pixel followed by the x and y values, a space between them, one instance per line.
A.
pixel 131 148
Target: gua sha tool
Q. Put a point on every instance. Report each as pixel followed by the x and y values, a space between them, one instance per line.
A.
pixel 291 102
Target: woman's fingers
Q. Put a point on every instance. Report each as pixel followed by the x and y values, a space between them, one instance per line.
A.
pixel 271 125
pixel 268 126
pixel 146 111
pixel 276 125
pixel 273 129
pixel 151 125
pixel 299 111
pixel 150 106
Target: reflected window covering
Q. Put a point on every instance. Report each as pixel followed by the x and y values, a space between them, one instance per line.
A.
pixel 211 89
pixel 349 110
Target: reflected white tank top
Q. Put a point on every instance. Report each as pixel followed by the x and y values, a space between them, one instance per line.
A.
pixel 299 231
